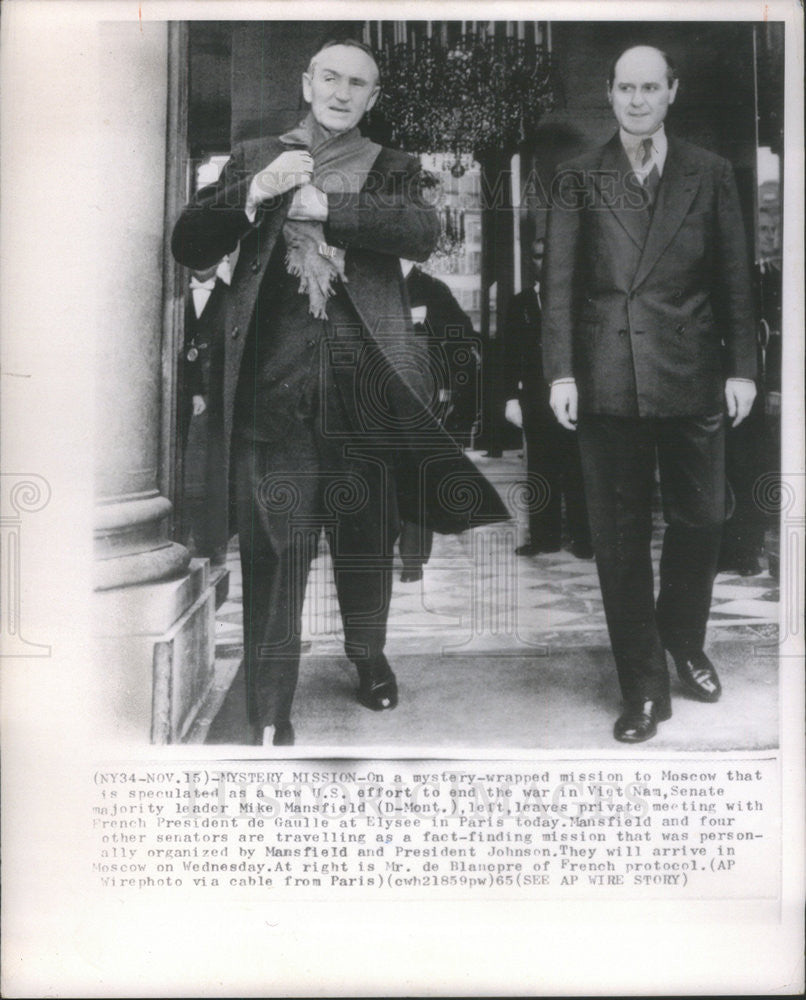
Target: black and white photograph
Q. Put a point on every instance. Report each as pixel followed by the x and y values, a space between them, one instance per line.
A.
pixel 402 498
pixel 509 476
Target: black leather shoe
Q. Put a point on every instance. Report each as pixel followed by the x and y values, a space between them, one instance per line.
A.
pixel 531 549
pixel 698 676
pixel 527 550
pixel 743 562
pixel 377 685
pixel 748 565
pixel 639 721
pixel 411 575
pixel 582 550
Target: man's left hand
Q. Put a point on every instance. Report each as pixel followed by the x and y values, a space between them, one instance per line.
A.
pixel 309 204
pixel 739 394
pixel 513 412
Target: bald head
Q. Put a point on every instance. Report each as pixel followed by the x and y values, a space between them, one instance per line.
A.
pixel 642 85
pixel 671 69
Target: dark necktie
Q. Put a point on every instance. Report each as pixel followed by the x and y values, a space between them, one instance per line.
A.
pixel 652 179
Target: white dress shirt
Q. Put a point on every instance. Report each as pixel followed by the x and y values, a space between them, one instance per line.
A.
pixel 201 290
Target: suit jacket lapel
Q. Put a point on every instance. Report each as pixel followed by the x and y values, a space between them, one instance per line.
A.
pixel 675 194
pixel 614 193
pixel 211 305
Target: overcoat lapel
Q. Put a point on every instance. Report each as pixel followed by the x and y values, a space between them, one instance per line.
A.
pixel 212 304
pixel 676 192
pixel 253 258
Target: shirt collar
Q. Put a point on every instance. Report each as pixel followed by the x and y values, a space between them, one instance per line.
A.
pixel 207 286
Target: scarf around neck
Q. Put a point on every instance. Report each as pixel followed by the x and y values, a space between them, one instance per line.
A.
pixel 341 164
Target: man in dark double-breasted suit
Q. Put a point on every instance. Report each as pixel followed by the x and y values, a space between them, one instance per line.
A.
pixel 326 395
pixel 648 335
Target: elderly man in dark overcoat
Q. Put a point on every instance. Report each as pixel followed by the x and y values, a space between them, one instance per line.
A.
pixel 327 401
pixel 647 277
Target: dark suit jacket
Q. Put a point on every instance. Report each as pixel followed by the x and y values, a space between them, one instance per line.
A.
pixel 204 366
pixel 204 334
pixel 639 318
pixel 390 218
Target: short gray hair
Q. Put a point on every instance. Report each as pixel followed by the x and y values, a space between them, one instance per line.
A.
pixel 352 43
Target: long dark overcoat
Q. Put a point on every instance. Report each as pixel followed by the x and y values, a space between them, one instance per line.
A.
pixel 391 217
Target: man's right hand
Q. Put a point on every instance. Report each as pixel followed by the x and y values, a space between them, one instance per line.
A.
pixel 563 401
pixel 287 171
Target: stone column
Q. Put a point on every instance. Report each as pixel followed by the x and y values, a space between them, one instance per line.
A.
pixel 132 520
pixel 155 609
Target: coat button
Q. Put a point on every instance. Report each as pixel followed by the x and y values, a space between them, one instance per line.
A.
pixel 638 333
pixel 623 333
pixel 235 331
pixel 681 328
pixel 255 265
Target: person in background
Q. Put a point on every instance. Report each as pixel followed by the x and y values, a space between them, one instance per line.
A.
pixel 552 451
pixel 754 447
pixel 204 502
pixel 454 362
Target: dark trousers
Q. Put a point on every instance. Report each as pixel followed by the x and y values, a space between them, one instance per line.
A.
pixel 287 492
pixel 203 509
pixel 618 462
pixel 552 454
